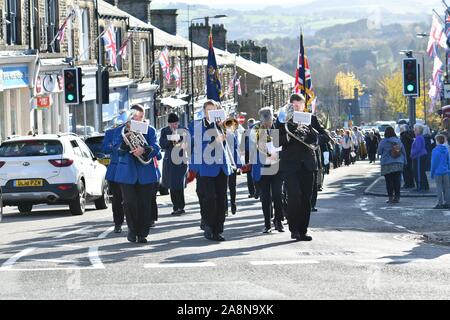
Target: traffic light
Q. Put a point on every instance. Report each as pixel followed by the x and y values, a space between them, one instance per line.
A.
pixel 410 77
pixel 104 87
pixel 73 87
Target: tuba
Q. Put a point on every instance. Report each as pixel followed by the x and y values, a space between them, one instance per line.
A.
pixel 134 140
pixel 306 135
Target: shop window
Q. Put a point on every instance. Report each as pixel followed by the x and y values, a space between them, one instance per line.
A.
pixel 12 8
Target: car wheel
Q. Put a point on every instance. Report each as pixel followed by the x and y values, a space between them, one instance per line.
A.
pixel 103 202
pixel 25 207
pixel 78 206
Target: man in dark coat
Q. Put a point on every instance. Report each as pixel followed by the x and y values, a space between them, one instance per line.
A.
pixel 372 146
pixel 175 162
pixel 407 138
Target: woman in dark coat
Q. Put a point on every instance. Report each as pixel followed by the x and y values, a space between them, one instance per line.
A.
pixel 372 146
pixel 174 170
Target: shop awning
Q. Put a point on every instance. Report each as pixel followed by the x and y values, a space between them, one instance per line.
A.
pixel 174 103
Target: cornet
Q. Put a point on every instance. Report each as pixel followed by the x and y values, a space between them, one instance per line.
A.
pixel 135 140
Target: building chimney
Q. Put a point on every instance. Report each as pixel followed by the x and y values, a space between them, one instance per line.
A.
pixel 264 54
pixel 137 8
pixel 219 36
pixel 200 34
pixel 165 20
pixel 234 47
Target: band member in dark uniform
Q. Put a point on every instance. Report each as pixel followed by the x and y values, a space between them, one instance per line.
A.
pixel 107 148
pixel 264 173
pixel 175 164
pixel 214 167
pixel 137 179
pixel 298 163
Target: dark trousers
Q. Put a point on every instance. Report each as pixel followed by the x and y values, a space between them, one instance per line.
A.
pixel 138 208
pixel 408 174
pixel 213 191
pixel 154 203
pixel 299 187
pixel 117 207
pixel 346 154
pixel 253 187
pixel 315 189
pixel 232 187
pixel 372 156
pixel 177 197
pixel 271 197
pixel 393 182
pixel 420 176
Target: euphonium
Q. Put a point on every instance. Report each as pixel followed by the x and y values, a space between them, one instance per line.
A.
pixel 134 140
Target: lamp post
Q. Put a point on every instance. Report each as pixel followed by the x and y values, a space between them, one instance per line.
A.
pixel 192 52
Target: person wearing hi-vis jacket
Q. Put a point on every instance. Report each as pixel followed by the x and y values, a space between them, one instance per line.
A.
pixel 137 180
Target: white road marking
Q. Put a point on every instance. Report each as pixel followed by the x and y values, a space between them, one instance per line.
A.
pixel 11 261
pixel 93 251
pixel 179 265
pixel 281 262
pixel 54 260
pixel 63 235
pixel 50 269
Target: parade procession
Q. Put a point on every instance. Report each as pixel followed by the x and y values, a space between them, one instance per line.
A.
pixel 150 153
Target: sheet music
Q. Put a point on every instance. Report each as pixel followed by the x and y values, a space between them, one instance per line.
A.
pixel 216 115
pixel 302 118
pixel 139 127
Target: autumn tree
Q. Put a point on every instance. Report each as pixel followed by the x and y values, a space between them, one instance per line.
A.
pixel 347 82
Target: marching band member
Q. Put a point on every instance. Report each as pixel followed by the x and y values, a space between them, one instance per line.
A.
pixel 253 189
pixel 175 164
pixel 298 164
pixel 214 167
pixel 232 126
pixel 137 180
pixel 269 181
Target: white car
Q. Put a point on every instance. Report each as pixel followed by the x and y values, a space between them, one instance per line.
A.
pixel 51 169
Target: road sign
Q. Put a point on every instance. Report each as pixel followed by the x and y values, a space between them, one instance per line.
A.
pixel 43 102
pixel 241 119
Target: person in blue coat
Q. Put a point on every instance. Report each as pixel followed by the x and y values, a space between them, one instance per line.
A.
pixel 107 148
pixel 137 181
pixel 440 170
pixel 265 173
pixel 174 163
pixel 213 166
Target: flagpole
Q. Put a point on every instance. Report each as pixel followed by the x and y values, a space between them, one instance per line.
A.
pixel 302 52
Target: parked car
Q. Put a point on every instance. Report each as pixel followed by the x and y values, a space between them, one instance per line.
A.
pixel 51 169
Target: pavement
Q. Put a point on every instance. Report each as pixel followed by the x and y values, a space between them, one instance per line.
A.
pixel 361 249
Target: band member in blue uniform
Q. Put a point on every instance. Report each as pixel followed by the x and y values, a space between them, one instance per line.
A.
pixel 214 167
pixel 265 170
pixel 114 187
pixel 137 180
pixel 175 162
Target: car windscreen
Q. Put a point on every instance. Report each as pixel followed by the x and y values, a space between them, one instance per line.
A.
pixel 95 144
pixel 31 148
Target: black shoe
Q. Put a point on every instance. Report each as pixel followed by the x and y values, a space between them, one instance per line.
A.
pixel 176 212
pixel 152 224
pixel 207 232
pixel 131 238
pixel 295 235
pixel 118 229
pixel 304 237
pixel 251 196
pixel 218 237
pixel 279 226
pixel 314 210
pixel 182 211
pixel 256 196
pixel 142 240
pixel 267 230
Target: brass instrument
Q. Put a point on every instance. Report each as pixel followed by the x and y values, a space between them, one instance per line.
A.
pixel 222 129
pixel 231 124
pixel 299 132
pixel 262 145
pixel 135 140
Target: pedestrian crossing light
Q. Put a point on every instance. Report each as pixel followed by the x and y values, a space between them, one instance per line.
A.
pixel 410 77
pixel 73 93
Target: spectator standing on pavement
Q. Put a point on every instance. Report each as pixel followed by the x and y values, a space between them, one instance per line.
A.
pixel 440 170
pixel 393 159
pixel 407 138
pixel 372 146
pixel 347 147
pixel 419 157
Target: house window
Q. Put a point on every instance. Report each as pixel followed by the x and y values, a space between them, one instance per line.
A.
pixel 51 19
pixel 84 35
pixel 143 57
pixel 35 23
pixel 12 22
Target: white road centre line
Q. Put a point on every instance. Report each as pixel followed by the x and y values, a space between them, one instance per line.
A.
pixel 281 262
pixel 179 265
pixel 93 251
pixel 11 261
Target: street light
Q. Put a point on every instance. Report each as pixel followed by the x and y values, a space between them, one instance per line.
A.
pixel 409 54
pixel 218 16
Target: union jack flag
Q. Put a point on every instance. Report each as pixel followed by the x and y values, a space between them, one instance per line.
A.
pixel 123 48
pixel 109 39
pixel 62 30
pixel 165 64
pixel 303 82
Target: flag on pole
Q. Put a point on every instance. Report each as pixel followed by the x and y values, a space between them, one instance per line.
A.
pixel 165 64
pixel 437 37
pixel 109 40
pixel 123 48
pixel 303 82
pixel 176 73
pixel 437 71
pixel 62 30
pixel 213 86
pixel 238 85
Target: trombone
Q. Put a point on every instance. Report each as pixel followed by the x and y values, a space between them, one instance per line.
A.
pixel 222 130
